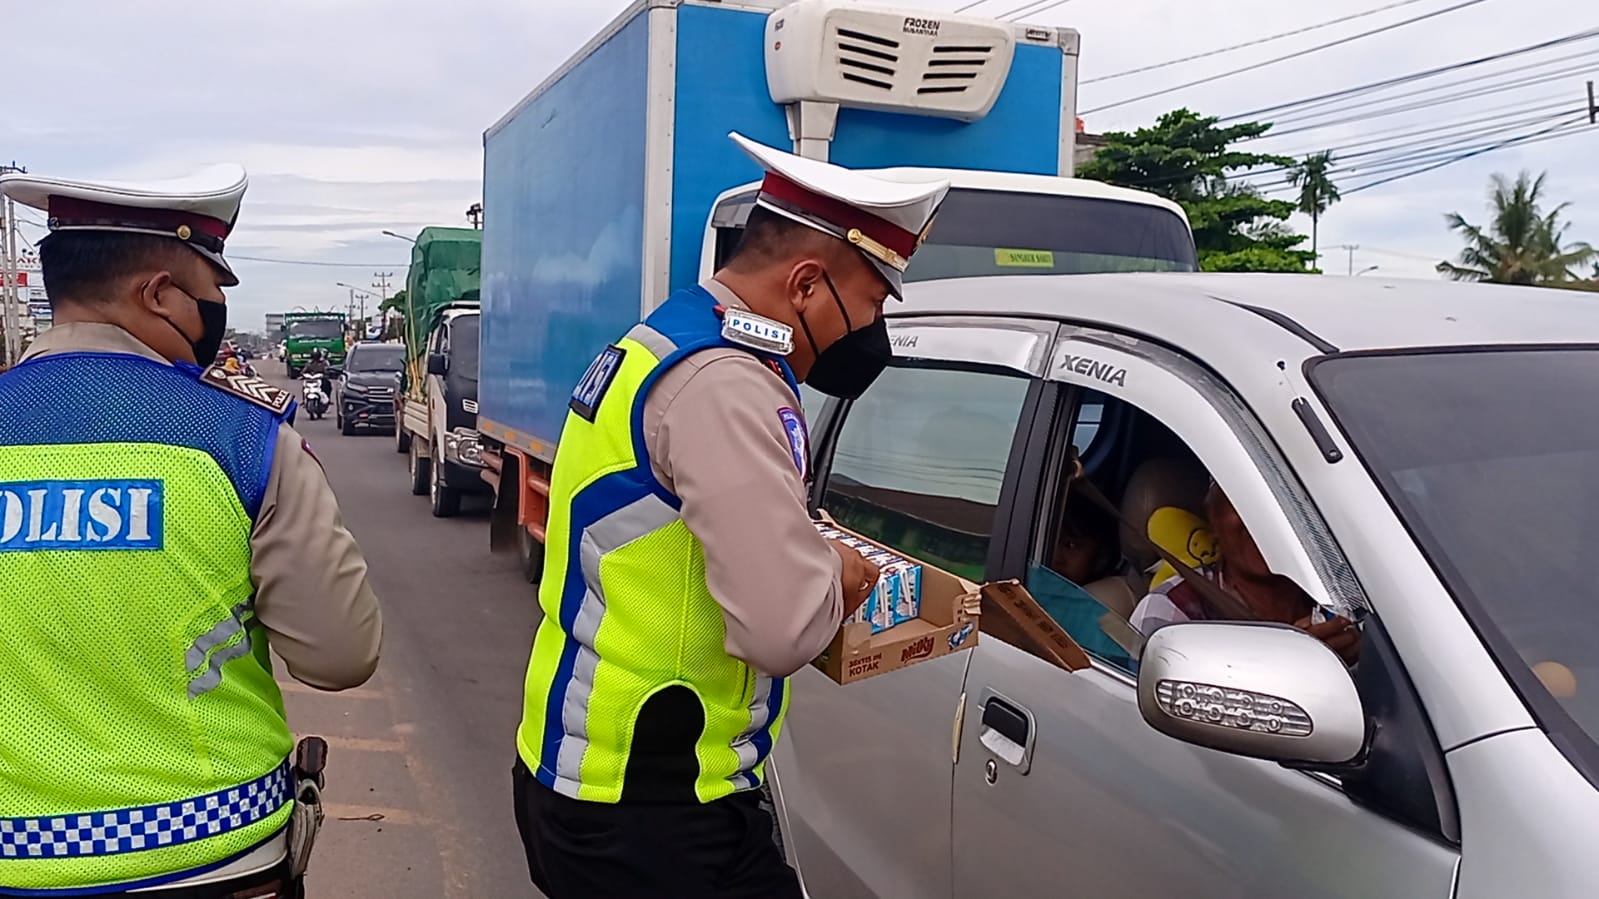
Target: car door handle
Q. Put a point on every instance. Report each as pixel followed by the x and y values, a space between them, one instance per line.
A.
pixel 1007 731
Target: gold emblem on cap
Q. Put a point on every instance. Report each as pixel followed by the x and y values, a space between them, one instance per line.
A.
pixel 184 232
pixel 876 250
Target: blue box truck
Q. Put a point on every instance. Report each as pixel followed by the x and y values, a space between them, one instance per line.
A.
pixel 614 182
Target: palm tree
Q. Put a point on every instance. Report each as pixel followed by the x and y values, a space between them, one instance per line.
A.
pixel 1316 193
pixel 1522 245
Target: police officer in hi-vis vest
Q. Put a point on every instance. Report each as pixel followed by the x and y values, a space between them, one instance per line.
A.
pixel 160 524
pixel 684 580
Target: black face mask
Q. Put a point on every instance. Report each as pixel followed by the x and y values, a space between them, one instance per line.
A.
pixel 851 363
pixel 214 324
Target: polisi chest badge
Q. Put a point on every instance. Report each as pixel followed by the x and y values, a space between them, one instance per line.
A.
pixel 758 332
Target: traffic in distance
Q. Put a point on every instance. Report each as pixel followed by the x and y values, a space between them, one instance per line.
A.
pixel 901 516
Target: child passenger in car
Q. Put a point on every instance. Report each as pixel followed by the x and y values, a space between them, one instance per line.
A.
pixel 1242 570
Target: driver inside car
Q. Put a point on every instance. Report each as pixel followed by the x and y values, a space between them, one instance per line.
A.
pixel 1239 567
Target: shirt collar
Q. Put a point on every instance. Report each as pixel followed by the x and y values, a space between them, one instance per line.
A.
pixel 93 337
pixel 723 295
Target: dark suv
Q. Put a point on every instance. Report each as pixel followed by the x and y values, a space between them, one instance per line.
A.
pixel 363 395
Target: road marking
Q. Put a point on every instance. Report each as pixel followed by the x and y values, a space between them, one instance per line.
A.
pixel 364 744
pixel 362 814
pixel 299 689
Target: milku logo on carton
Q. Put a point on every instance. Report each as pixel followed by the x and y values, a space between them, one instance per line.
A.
pixel 88 514
pixel 921 649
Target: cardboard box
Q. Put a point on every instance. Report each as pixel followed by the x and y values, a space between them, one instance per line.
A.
pixel 946 623
pixel 953 612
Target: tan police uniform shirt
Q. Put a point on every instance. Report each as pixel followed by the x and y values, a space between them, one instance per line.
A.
pixel 716 439
pixel 312 594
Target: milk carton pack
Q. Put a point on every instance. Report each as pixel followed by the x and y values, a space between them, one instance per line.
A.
pixel 897 596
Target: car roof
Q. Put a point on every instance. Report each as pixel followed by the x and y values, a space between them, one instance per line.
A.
pixel 1056 185
pixel 1201 312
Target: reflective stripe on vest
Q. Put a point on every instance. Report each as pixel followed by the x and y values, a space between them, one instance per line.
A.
pixel 148 826
pixel 616 541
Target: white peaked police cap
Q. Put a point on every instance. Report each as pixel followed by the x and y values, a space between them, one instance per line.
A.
pixel 199 210
pixel 885 220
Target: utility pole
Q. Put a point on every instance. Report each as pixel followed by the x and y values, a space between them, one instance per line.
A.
pixel 8 273
pixel 1593 108
pixel 474 213
pixel 1351 248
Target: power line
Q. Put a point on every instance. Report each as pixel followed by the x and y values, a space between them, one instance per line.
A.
pixel 1254 43
pixel 1414 76
pixel 1536 137
pixel 1520 105
pixel 1416 163
pixel 1383 137
pixel 1021 10
pixel 1365 108
pixel 972 5
pixel 232 257
pixel 1038 12
pixel 1287 56
pixel 1345 162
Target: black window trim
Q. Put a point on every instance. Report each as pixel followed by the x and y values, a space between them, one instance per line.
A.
pixel 1558 725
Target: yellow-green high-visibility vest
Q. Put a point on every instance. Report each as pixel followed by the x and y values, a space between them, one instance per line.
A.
pixel 628 619
pixel 143 736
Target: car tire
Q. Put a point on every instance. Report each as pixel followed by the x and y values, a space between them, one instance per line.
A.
pixel 530 552
pixel 346 427
pixel 421 471
pixel 294 373
pixel 446 500
pixel 402 439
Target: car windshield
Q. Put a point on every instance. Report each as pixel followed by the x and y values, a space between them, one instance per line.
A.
pixel 1489 457
pixel 987 232
pixel 317 328
pixel 389 357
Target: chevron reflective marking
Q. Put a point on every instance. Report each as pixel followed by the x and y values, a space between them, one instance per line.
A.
pixel 248 387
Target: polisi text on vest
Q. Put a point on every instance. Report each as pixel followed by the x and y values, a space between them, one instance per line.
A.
pixel 86 514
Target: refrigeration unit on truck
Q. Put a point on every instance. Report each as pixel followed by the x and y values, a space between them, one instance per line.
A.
pixel 614 182
pixel 436 412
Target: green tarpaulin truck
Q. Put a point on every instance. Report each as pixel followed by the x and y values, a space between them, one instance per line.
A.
pixel 437 412
pixel 307 331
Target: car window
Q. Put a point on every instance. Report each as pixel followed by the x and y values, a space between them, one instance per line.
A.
pixel 920 460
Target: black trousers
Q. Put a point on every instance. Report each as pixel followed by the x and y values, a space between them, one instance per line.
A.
pixel 594 850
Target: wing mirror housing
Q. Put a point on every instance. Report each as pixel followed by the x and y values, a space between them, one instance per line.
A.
pixel 438 364
pixel 1267 691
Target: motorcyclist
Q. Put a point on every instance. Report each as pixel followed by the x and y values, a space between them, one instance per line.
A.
pixel 319 366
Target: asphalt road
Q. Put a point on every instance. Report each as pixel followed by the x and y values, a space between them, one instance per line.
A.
pixel 419 792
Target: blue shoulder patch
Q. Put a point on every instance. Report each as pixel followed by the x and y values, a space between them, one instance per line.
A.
pixel 591 390
pixel 799 440
pixel 87 514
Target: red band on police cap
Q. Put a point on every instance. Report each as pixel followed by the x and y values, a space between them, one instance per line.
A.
pixel 68 212
pixel 840 213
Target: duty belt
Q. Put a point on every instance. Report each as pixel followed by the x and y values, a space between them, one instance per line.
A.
pixel 149 826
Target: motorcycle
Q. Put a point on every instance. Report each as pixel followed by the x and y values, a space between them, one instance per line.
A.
pixel 312 395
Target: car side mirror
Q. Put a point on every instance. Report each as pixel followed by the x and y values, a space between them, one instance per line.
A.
pixel 438 364
pixel 336 372
pixel 1266 691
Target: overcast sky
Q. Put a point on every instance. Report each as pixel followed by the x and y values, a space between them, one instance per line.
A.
pixel 355 116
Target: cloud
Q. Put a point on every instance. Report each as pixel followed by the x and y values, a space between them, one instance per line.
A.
pixel 356 116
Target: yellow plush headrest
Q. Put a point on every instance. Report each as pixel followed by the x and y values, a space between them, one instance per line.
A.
pixel 1184 535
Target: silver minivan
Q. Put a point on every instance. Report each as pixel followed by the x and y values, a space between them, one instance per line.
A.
pixel 1422 457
